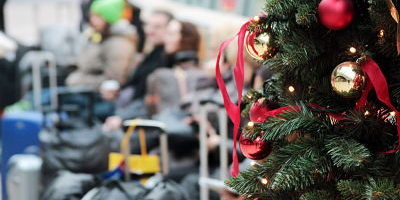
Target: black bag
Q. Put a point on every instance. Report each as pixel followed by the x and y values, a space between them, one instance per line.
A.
pixel 77 144
pixel 117 190
pixel 167 190
pixel 83 150
pixel 69 186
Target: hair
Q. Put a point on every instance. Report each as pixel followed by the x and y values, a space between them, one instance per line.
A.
pixel 190 37
pixel 167 14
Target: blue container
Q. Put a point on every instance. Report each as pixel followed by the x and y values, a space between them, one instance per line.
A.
pixel 20 135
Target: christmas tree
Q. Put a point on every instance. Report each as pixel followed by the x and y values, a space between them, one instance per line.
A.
pixel 324 126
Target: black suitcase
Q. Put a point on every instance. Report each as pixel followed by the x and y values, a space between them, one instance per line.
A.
pixel 74 143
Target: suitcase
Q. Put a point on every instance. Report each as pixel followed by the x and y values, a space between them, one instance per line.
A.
pixel 20 130
pixel 141 164
pixel 23 181
pixel 20 136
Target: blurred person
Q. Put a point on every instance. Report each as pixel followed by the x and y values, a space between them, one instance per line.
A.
pixel 130 102
pixel 130 13
pixel 169 87
pixel 110 53
pixel 155 29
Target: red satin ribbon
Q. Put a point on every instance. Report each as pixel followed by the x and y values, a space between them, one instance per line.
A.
pixel 378 82
pixel 233 109
pixel 250 41
pixel 279 111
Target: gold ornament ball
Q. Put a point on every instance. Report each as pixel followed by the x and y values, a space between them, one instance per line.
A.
pixel 348 80
pixel 261 48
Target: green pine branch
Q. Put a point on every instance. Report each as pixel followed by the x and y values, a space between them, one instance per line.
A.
pixel 277 128
pixel 317 195
pixel 351 189
pixel 382 189
pixel 304 163
pixel 347 154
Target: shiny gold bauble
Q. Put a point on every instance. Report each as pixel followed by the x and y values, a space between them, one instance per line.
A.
pixel 348 80
pixel 258 45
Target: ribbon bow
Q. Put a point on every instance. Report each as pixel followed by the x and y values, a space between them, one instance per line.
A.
pixel 233 109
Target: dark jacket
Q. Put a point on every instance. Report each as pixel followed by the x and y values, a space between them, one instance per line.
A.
pixel 152 61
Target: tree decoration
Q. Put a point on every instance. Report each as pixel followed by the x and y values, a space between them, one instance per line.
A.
pixel 258 40
pixel 336 14
pixel 259 111
pixel 324 147
pixel 264 181
pixel 258 46
pixel 348 80
pixel 254 149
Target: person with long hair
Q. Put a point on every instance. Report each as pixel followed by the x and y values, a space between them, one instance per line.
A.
pixel 168 87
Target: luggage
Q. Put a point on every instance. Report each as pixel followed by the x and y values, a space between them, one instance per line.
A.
pixel 19 136
pixel 83 150
pixel 75 143
pixel 167 190
pixel 23 181
pixel 141 164
pixel 30 69
pixel 117 190
pixel 20 129
pixel 69 186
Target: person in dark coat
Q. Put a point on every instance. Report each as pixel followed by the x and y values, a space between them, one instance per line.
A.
pixel 155 30
pixel 130 103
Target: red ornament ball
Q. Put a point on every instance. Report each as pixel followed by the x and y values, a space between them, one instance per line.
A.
pixel 254 149
pixel 336 14
pixel 259 112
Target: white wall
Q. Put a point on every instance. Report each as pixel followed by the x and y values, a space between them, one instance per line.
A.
pixel 24 18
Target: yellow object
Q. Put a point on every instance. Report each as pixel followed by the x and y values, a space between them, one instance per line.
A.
pixel 138 164
pixel 291 89
pixel 348 80
pixel 96 38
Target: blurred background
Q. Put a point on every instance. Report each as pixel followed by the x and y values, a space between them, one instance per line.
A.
pixel 25 18
pixel 101 95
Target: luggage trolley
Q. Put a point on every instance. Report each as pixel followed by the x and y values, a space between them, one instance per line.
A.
pixel 207 183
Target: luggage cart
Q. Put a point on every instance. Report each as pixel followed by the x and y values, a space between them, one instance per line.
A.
pixel 207 183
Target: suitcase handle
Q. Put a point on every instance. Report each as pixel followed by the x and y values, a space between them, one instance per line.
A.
pixel 125 142
pixel 145 123
pixel 40 58
pixel 141 124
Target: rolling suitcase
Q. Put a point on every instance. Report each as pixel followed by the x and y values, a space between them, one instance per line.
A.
pixel 143 163
pixel 20 129
pixel 23 181
pixel 140 165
